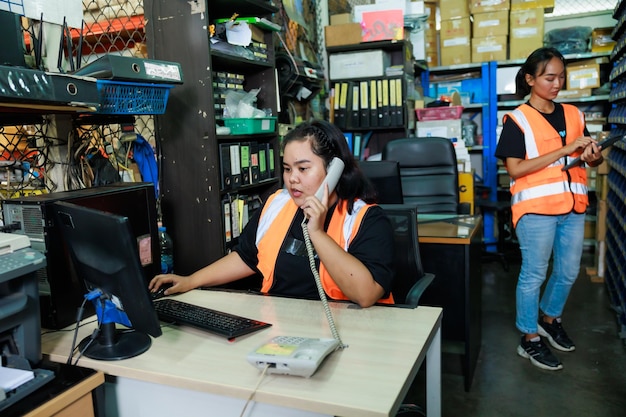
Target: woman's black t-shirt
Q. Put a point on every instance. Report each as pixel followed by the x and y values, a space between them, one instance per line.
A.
pixel 372 245
pixel 512 144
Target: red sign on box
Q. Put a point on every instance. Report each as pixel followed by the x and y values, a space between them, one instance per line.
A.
pixel 382 25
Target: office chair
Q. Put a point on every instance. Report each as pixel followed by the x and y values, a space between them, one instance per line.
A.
pixel 385 176
pixel 410 280
pixel 429 173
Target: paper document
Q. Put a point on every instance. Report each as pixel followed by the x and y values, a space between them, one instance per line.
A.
pixel 11 378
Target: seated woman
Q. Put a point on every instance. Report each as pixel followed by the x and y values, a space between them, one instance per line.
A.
pixel 352 238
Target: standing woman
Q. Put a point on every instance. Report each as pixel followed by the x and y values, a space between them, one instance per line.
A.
pixel 548 204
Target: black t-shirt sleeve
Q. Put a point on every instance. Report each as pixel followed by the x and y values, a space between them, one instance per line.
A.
pixel 373 246
pixel 246 247
pixel 511 143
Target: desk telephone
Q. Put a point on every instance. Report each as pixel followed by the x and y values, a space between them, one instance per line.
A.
pixel 301 356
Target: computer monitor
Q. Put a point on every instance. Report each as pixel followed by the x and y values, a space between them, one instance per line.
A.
pixel 105 254
pixel 385 176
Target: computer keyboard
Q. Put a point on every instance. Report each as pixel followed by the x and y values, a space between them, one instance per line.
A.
pixel 220 323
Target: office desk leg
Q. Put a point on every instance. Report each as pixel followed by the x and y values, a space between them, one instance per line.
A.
pixel 433 377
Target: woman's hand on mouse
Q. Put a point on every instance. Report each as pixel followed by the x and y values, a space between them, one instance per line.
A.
pixel 176 283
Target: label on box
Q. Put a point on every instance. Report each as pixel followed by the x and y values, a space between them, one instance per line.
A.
pixel 463 40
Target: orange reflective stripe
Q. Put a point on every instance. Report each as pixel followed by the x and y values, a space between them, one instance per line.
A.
pixel 337 232
pixel 269 244
pixel 548 191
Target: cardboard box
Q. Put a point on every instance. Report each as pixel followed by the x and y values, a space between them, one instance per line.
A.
pixel 583 74
pixel 343 34
pixel 453 29
pixel 602 40
pixel 466 189
pixel 453 9
pixel 450 129
pixel 360 64
pixel 455 41
pixel 526 29
pixel 490 24
pixel 484 6
pixel 570 94
pixel 432 58
pixel 546 5
pixel 492 48
pixel 340 19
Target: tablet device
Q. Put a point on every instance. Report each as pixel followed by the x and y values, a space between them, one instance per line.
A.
pixel 605 144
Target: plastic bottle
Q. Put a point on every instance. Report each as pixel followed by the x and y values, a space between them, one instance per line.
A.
pixel 167 251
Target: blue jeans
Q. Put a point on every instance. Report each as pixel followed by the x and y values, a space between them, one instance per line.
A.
pixel 539 237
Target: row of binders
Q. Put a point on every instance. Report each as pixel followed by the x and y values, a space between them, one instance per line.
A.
pixel 368 103
pixel 237 209
pixel 245 163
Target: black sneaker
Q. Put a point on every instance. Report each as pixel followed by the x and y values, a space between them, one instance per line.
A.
pixel 556 335
pixel 539 354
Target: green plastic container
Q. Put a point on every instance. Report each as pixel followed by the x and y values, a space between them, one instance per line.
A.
pixel 243 126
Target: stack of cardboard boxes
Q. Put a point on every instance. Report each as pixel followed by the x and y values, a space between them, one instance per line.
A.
pixel 490 30
pixel 431 47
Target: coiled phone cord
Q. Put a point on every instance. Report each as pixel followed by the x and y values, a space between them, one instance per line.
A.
pixel 318 282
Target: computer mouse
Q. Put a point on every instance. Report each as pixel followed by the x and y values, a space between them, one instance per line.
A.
pixel 160 292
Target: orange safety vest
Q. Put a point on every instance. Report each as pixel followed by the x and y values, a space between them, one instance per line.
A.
pixel 276 218
pixel 550 190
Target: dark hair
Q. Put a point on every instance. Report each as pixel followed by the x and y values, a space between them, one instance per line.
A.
pixel 535 65
pixel 327 142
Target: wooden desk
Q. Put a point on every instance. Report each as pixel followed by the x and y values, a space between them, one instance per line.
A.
pixel 451 247
pixel 190 372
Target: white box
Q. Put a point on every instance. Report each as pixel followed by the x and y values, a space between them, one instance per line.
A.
pixel 361 64
pixel 505 80
pixel 451 129
pixel 379 6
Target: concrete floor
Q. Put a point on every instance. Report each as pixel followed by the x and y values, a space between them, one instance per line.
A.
pixel 592 383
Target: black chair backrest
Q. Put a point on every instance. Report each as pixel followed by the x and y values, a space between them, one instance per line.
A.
pixel 385 176
pixel 410 280
pixel 429 172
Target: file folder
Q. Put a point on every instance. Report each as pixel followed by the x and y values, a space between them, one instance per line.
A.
pixel 263 169
pixel 244 152
pixel 354 105
pixel 364 105
pixel 254 163
pixel 235 165
pixel 225 175
pixel 124 68
pixel 373 104
pixel 386 111
pixel 399 103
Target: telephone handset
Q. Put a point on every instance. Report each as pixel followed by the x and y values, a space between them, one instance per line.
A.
pixel 335 169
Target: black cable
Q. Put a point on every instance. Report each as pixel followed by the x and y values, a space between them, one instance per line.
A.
pixel 79 317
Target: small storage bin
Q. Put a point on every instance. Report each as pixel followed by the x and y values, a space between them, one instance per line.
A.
pixel 439 113
pixel 119 97
pixel 249 126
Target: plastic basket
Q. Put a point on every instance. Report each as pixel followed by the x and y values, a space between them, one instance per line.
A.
pixel 118 97
pixel 245 126
pixel 439 113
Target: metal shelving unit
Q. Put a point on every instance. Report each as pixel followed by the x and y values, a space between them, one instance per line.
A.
pixel 615 274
